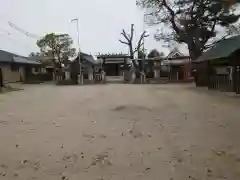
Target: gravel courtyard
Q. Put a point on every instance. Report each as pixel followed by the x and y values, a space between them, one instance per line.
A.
pixel 119 132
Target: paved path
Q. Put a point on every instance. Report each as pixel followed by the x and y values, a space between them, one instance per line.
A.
pixel 119 132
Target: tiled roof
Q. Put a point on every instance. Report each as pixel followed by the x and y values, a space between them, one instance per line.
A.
pixel 222 49
pixel 113 56
pixel 25 61
pixel 7 57
pixel 87 59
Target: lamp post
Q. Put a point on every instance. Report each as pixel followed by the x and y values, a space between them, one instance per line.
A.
pixel 80 77
pixel 143 63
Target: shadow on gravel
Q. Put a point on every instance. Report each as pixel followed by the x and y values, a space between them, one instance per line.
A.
pixel 9 89
pixel 130 108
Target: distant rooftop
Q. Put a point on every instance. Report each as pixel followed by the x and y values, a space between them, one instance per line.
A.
pixel 113 56
pixel 86 59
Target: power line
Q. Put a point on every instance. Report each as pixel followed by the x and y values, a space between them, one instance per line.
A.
pixel 11 37
pixel 17 28
pixel 8 35
pixel 14 40
pixel 26 33
pixel 5 31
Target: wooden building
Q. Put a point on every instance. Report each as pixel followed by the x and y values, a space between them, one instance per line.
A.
pixel 177 66
pixel 219 67
pixel 114 64
pixel 151 66
pixel 15 68
pixel 90 68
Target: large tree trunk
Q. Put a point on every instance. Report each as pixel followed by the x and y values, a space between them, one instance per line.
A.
pixel 194 51
pixel 54 71
pixel 132 56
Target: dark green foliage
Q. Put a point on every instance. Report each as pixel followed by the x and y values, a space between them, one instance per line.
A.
pixel 154 53
pixel 193 22
pixel 33 54
pixel 141 54
pixel 58 46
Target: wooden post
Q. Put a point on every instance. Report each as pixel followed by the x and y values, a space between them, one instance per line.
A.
pixel 1 78
pixel 238 80
pixel 209 74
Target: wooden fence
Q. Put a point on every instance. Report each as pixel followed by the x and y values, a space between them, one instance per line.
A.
pixel 226 82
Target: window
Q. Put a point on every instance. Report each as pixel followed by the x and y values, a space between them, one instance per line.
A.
pixel 14 67
pixel 37 70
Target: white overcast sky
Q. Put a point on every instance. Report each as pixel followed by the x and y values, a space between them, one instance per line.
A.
pixel 100 21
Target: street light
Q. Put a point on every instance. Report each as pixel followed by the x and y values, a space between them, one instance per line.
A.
pixel 79 51
pixel 145 34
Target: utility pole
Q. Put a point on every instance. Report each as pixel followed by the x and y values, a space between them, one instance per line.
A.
pixel 80 77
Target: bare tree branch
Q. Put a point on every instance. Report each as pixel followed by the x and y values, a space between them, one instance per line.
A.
pixel 138 48
pixel 125 35
pixel 129 42
pixel 172 14
pixel 132 30
pixel 140 44
pixel 123 42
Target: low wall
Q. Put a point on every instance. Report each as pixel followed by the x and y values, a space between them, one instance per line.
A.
pixel 10 76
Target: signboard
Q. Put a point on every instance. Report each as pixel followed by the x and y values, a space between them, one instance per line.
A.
pixel 222 70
